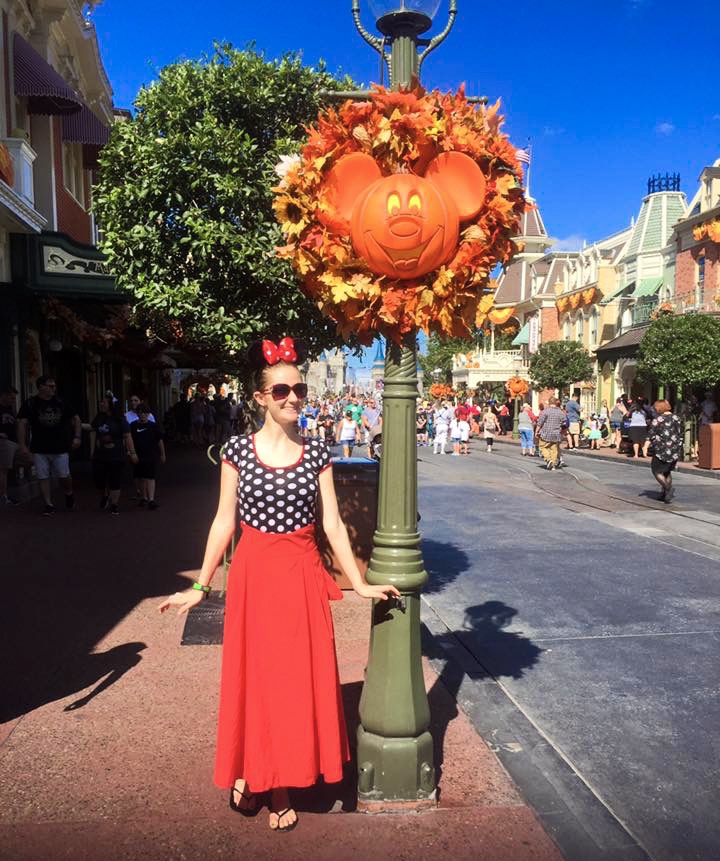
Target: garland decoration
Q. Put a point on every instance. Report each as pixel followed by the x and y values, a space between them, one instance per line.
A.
pixel 709 229
pixel 115 327
pixel 403 132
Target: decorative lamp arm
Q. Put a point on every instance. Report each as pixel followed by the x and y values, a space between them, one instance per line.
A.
pixel 436 40
pixel 374 42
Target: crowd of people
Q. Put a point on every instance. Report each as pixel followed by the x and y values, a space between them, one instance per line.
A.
pixel 45 430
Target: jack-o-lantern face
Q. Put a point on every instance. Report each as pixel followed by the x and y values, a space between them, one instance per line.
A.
pixel 404 226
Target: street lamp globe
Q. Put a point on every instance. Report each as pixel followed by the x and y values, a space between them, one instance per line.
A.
pixel 404 17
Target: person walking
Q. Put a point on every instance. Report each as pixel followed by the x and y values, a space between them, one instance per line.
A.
pixel 112 439
pixel 281 721
pixel 491 426
pixel 347 432
pixel 526 426
pixel 55 431
pixel 666 437
pixel 549 426
pixel 148 445
pixel 8 439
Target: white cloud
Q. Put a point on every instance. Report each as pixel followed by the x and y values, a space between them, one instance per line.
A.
pixel 664 129
pixel 553 131
pixel 574 242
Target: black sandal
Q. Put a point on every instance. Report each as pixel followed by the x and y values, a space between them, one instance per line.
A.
pixel 246 796
pixel 280 816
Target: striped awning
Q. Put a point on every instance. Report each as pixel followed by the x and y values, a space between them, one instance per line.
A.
pixel 522 337
pixel 85 128
pixel 647 287
pixel 40 84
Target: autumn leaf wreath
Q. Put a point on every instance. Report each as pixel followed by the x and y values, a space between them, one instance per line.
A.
pixel 403 132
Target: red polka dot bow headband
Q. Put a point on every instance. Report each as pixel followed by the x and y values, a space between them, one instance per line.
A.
pixel 282 352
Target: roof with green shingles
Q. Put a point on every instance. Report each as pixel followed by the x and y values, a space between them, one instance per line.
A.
pixel 658 215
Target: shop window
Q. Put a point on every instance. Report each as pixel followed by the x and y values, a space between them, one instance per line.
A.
pixel 73 171
pixel 700 282
pixel 594 327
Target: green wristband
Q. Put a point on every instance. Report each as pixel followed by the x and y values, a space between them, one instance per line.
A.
pixel 201 588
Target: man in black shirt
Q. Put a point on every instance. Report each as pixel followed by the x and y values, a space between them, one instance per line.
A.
pixel 8 439
pixel 54 430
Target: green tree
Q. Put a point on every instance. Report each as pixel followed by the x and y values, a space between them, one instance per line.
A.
pixel 559 364
pixel 683 350
pixel 184 199
pixel 440 352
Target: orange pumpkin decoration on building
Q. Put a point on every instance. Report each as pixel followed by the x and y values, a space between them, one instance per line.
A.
pixel 517 387
pixel 403 225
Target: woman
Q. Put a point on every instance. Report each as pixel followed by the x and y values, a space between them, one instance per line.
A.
pixel 526 426
pixel 617 414
pixel 666 437
pixel 347 432
pixel 491 426
pixel 638 428
pixel 112 439
pixel 421 423
pixel 281 721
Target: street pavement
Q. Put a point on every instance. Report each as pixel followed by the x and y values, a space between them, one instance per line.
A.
pixel 108 724
pixel 578 620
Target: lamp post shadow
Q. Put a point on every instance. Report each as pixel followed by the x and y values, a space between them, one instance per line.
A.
pixel 481 648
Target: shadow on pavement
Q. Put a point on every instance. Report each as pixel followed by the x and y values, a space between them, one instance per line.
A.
pixel 77 575
pixel 443 563
pixel 481 649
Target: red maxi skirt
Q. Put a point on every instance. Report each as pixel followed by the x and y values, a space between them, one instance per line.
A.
pixel 281 720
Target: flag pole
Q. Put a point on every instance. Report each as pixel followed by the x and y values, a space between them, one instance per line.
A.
pixel 529 167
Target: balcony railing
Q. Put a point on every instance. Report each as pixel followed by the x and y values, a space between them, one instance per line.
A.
pixel 23 156
pixel 643 310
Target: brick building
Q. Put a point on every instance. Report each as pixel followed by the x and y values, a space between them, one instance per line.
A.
pixel 696 241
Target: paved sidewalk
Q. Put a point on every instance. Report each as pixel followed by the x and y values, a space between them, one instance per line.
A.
pixel 107 746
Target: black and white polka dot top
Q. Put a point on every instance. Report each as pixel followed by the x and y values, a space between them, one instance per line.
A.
pixel 276 499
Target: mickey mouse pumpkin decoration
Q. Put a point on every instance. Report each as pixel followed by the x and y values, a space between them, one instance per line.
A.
pixel 405 225
pixel 398 210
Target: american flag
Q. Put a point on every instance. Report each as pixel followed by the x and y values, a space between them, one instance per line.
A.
pixel 523 155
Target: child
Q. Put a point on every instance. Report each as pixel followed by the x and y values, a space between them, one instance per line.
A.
pixel 464 428
pixel 595 434
pixel 149 444
pixel 455 436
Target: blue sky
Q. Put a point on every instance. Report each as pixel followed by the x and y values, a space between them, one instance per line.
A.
pixel 609 91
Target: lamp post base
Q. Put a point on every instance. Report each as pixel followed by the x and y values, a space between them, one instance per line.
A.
pixel 395 773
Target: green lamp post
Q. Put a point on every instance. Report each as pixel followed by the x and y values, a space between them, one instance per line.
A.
pixel 395 749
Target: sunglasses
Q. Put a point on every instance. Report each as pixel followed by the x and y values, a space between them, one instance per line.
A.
pixel 281 391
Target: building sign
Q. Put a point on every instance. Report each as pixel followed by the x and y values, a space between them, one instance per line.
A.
pixel 57 261
pixel 534 334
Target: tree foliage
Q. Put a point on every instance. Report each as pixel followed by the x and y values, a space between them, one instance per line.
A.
pixel 440 352
pixel 558 364
pixel 682 350
pixel 184 200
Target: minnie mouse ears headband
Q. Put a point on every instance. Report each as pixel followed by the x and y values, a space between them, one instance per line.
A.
pixel 266 353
